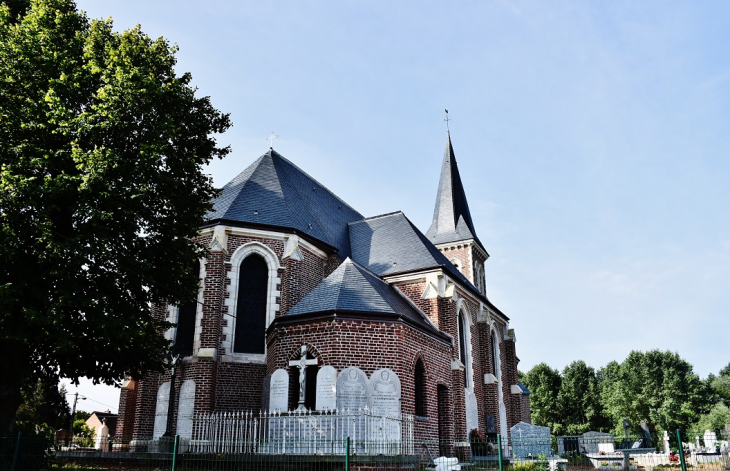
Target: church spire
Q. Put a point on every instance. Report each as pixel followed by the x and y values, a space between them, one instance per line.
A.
pixel 451 217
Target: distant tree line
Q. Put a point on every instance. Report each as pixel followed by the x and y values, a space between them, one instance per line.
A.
pixel 656 387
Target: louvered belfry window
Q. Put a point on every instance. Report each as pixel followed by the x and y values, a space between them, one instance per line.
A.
pixel 253 282
pixel 185 334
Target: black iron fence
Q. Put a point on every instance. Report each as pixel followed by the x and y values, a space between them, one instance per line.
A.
pixel 686 451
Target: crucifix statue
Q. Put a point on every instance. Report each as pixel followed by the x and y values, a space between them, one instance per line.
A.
pixel 302 364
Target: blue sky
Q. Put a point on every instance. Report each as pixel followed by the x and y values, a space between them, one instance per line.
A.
pixel 593 139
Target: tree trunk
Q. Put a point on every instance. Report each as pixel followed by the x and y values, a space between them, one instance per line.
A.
pixel 10 400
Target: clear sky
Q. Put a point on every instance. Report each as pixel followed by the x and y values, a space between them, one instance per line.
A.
pixel 593 139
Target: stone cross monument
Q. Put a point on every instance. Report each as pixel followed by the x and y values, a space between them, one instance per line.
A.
pixel 302 364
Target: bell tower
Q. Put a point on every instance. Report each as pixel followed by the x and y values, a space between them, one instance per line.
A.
pixel 452 230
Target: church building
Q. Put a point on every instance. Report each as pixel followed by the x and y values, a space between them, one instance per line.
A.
pixel 295 274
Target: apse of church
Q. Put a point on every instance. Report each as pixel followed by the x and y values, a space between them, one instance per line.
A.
pixel 305 304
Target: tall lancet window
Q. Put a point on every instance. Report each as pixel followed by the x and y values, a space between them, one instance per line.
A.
pixel 253 282
pixel 465 348
pixel 185 333
pixel 420 389
pixel 495 356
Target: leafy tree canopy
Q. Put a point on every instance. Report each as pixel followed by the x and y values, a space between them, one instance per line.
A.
pixel 657 387
pixel 716 419
pixel 44 407
pixel 579 399
pixel 544 385
pixel 102 147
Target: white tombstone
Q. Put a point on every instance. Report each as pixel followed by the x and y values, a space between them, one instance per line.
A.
pixel 185 409
pixel 352 389
pixel 102 437
pixel 710 440
pixel 697 442
pixel 667 448
pixel 279 391
pixel 385 393
pixel 472 411
pixel 163 401
pixel 326 388
pixel 447 464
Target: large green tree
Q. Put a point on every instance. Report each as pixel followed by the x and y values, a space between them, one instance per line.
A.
pixel 544 385
pixel 579 400
pixel 102 146
pixel 658 387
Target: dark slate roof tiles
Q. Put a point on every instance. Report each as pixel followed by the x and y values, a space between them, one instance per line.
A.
pixel 354 288
pixel 391 244
pixel 451 217
pixel 273 191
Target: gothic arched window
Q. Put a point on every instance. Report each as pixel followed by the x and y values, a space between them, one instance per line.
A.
pixel 465 348
pixel 253 282
pixel 185 333
pixel 495 356
pixel 420 389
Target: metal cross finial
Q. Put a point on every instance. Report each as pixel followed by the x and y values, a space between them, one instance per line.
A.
pixel 447 119
pixel 271 138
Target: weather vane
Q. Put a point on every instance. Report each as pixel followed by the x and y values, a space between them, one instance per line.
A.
pixel 447 119
pixel 271 138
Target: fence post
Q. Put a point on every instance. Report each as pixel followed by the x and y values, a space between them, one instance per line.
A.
pixel 174 452
pixel 681 450
pixel 17 452
pixel 347 454
pixel 499 451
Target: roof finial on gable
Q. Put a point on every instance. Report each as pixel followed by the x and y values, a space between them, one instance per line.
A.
pixel 447 120
pixel 271 139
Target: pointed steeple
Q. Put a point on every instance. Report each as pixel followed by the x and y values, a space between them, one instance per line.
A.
pixel 451 217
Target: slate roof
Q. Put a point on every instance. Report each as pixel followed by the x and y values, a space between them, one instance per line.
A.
pixel 355 289
pixel 274 192
pixel 451 217
pixel 391 244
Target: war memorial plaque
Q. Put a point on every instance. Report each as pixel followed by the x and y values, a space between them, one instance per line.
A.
pixel 326 388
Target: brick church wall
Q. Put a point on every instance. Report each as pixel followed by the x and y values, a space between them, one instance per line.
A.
pixel 371 345
pixel 127 411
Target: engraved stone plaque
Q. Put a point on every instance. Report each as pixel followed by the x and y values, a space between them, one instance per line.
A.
pixel 279 391
pixel 352 389
pixel 185 409
pixel 326 388
pixel 163 401
pixel 385 393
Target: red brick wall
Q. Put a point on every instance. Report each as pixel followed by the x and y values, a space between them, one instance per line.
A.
pixel 371 345
pixel 127 412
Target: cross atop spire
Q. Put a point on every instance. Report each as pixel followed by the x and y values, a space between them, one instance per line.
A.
pixel 451 217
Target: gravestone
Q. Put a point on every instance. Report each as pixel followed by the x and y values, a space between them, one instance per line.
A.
pixel 266 393
pixel 163 401
pixel 472 411
pixel 352 389
pixel 352 397
pixel 589 441
pixel 530 440
pixel 710 439
pixel 185 409
pixel 279 391
pixel 385 393
pixel 326 388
